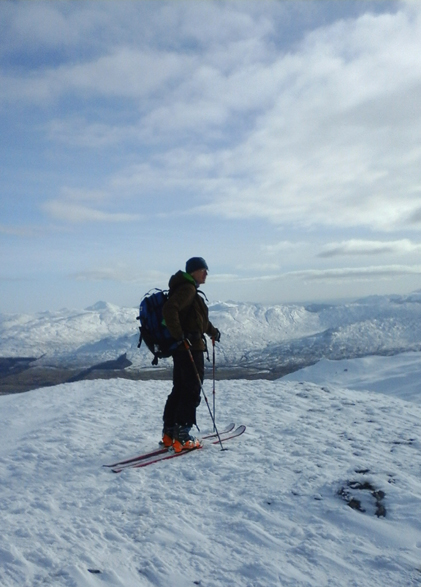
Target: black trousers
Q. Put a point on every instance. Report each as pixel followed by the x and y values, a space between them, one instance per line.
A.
pixel 184 398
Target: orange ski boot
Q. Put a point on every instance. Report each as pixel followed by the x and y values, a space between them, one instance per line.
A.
pixel 183 440
pixel 167 436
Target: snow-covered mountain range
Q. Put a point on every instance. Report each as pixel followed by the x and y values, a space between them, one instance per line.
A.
pixel 257 340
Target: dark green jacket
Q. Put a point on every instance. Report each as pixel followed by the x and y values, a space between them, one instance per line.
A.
pixel 185 312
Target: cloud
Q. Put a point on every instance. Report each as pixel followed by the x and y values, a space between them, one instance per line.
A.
pixel 284 247
pixel 321 154
pixel 258 267
pixel 82 205
pixel 125 73
pixel 76 213
pixel 122 274
pixel 324 134
pixel 21 231
pixel 306 138
pixel 355 247
pixel 340 274
pixel 415 216
pixel 356 273
pixel 77 131
pixel 37 23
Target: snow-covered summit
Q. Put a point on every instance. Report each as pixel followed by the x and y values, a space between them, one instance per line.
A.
pixel 322 489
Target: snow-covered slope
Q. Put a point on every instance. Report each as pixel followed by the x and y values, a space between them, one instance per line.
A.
pixel 322 489
pixel 381 374
pixel 268 339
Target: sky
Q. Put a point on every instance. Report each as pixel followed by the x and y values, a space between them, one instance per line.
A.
pixel 279 140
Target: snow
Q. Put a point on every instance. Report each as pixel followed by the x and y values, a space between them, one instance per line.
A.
pixel 400 376
pixel 323 489
pixel 271 338
pixel 271 510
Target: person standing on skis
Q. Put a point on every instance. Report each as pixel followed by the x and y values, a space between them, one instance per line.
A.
pixel 186 317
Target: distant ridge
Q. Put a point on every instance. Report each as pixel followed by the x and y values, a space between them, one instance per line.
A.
pixel 258 340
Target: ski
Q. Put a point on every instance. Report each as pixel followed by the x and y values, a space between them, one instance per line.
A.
pixel 163 450
pixel 170 454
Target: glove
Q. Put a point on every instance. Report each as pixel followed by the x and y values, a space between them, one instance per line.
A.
pixel 217 336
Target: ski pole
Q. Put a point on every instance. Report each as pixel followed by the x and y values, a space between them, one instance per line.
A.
pixel 186 344
pixel 213 377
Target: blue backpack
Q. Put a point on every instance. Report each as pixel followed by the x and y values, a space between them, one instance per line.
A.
pixel 153 331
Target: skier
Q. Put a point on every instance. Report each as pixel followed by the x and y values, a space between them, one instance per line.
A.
pixel 186 317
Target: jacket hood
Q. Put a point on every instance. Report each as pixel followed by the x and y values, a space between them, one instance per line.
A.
pixel 179 278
